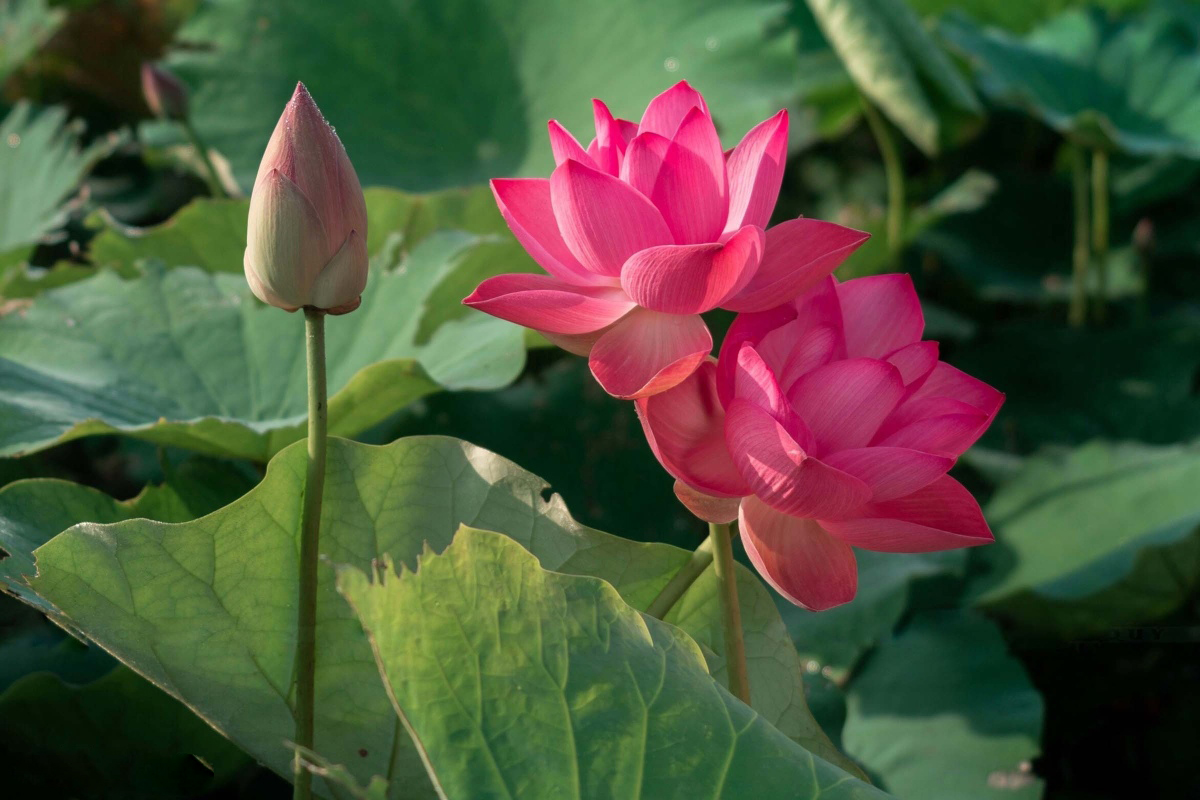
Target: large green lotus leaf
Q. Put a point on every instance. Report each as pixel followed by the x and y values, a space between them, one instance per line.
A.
pixel 206 609
pixel 837 638
pixel 1018 15
pixel 901 68
pixel 24 26
pixel 941 711
pixel 41 164
pixel 1131 85
pixel 437 93
pixel 211 233
pixel 115 738
pixel 188 358
pixel 520 682
pixel 1102 536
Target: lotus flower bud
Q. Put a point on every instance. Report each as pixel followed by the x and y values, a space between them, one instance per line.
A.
pixel 165 94
pixel 306 240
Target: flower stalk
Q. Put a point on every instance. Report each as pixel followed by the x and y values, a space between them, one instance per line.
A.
pixel 682 580
pixel 731 613
pixel 1100 219
pixel 310 534
pixel 894 171
pixel 215 187
pixel 1081 258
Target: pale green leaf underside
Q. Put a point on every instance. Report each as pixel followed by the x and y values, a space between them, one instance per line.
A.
pixel 517 682
pixel 1132 86
pixel 429 94
pixel 941 711
pixel 206 609
pixel 188 358
pixel 1104 535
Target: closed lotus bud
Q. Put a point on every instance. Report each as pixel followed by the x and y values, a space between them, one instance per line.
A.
pixel 165 94
pixel 306 241
pixel 1143 237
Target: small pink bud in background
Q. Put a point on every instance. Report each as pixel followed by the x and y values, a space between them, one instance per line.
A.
pixel 1143 237
pixel 165 94
pixel 306 243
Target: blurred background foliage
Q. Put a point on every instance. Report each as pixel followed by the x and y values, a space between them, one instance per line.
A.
pixel 1032 163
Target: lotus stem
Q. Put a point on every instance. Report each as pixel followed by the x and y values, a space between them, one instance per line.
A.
pixel 1081 258
pixel 893 168
pixel 682 580
pixel 731 613
pixel 215 186
pixel 1100 219
pixel 310 535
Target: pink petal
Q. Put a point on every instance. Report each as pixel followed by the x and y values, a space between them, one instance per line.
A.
pixel 935 425
pixel 756 172
pixel 746 329
pixel 781 473
pixel 844 403
pixel 548 304
pixel 880 314
pixel 565 146
pixel 643 160
pixel 628 129
pixel 755 382
pixel 915 362
pixel 942 516
pixel 800 254
pixel 603 220
pixel 891 471
pixel 804 563
pixel 708 508
pixel 691 189
pixel 947 381
pixel 649 352
pixel 525 205
pixel 685 427
pixel 609 144
pixel 580 344
pixel 692 278
pixel 666 112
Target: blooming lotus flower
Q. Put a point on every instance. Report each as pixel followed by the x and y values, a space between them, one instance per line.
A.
pixel 825 425
pixel 164 93
pixel 645 229
pixel 306 243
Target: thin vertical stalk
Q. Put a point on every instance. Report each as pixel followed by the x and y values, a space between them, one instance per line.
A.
pixel 731 613
pixel 1081 258
pixel 1100 216
pixel 310 533
pixel 893 169
pixel 682 580
pixel 210 172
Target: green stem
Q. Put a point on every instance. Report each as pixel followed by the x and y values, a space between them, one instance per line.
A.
pixel 894 170
pixel 310 534
pixel 1077 313
pixel 210 172
pixel 1100 217
pixel 731 613
pixel 682 580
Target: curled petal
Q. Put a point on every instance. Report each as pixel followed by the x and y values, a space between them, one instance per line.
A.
pixel 800 254
pixel 720 510
pixel 880 313
pixel 942 516
pixel 565 146
pixel 609 145
pixel 665 112
pixel 781 473
pixel 603 220
pixel 694 278
pixel 844 403
pixel 545 303
pixel 690 189
pixel 796 556
pixel 525 205
pixel 755 382
pixel 891 472
pixel 746 329
pixel 755 170
pixel 648 352
pixel 685 427
pixel 915 362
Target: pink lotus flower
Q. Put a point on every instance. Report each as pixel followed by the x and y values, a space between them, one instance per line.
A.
pixel 827 424
pixel 647 228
